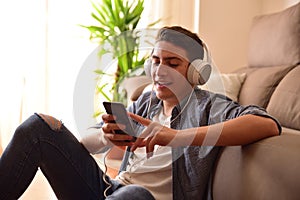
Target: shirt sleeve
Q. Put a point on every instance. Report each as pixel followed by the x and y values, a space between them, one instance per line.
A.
pixel 95 142
pixel 256 110
pixel 223 109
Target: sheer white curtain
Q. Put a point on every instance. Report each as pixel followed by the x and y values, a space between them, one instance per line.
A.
pixel 42 48
pixel 68 48
pixel 22 63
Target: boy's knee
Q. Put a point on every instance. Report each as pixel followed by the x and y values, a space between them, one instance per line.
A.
pixel 52 122
pixel 32 126
pixel 28 126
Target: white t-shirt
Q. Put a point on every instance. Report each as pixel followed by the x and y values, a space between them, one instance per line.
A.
pixel 154 173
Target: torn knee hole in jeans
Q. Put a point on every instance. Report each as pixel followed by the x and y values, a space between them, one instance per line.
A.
pixel 53 123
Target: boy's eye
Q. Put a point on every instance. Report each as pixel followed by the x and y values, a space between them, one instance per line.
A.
pixel 173 64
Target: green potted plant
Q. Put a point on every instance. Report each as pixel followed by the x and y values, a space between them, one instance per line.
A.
pixel 116 33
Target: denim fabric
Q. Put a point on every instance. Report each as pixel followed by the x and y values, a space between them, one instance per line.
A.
pixel 131 192
pixel 67 165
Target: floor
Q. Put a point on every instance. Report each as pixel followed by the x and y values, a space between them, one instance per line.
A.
pixel 39 189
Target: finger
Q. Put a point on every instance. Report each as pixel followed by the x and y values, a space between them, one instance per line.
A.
pixel 108 117
pixel 122 143
pixel 136 144
pixel 118 137
pixel 147 145
pixel 151 129
pixel 139 119
pixel 142 144
pixel 149 148
pixel 147 132
pixel 151 145
pixel 149 155
pixel 112 127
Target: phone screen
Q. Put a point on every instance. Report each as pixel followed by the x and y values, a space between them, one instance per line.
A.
pixel 119 111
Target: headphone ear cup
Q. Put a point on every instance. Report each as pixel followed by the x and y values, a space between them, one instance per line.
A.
pixel 147 67
pixel 199 72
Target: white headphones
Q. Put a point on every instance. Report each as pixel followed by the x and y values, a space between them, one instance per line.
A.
pixel 198 72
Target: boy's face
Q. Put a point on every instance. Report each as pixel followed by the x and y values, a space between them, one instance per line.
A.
pixel 169 71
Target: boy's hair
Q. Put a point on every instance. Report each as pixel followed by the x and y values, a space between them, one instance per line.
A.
pixel 183 38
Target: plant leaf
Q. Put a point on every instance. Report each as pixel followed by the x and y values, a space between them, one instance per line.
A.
pixel 101 72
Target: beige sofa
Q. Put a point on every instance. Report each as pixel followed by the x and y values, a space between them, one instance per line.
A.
pixel 270 168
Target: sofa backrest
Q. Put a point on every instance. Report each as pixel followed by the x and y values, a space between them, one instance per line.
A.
pixel 275 39
pixel 285 102
pixel 260 83
pixel 273 65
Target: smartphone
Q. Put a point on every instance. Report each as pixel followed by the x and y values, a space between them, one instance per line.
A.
pixel 119 111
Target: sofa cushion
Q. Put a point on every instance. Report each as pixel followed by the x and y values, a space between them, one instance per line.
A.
pixel 134 86
pixel 227 84
pixel 260 84
pixel 285 101
pixel 275 38
pixel 265 170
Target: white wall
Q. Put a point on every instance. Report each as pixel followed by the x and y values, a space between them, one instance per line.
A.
pixel 225 26
pixel 171 12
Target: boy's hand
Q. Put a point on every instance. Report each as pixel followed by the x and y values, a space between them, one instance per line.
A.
pixel 110 129
pixel 154 134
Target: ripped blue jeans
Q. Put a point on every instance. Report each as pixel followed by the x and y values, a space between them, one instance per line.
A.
pixel 44 142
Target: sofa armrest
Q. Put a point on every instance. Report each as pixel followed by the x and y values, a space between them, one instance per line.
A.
pixel 268 169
